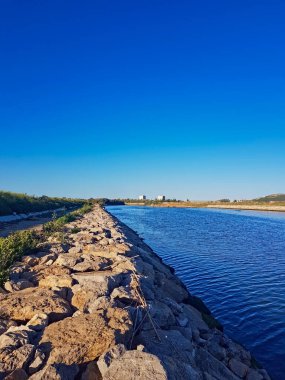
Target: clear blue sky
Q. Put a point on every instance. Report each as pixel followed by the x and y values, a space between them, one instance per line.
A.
pixel 118 98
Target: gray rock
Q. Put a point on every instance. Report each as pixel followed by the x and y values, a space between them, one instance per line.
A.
pixel 182 320
pixel 195 318
pixel 107 358
pixel 238 367
pixel 136 365
pixel 161 314
pixel 253 375
pixel 208 363
pixel 67 260
pixel 170 343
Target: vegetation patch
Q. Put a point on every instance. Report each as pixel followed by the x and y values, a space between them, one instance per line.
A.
pixel 19 244
pixel 13 247
pixel 18 203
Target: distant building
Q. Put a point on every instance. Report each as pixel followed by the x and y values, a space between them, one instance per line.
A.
pixel 161 198
pixel 142 197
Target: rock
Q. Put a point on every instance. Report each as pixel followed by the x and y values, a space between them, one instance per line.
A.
pixel 136 365
pixel 58 281
pixel 174 291
pixel 174 306
pixel 37 363
pixel 106 359
pixel 12 359
pixel 50 257
pixel 92 372
pixel 161 314
pixel 195 318
pixel 85 337
pixel 14 339
pixel 171 343
pixel 56 372
pixel 67 260
pixel 18 374
pixel 253 375
pixel 92 263
pixel 238 367
pixel 208 363
pixel 125 295
pixel 75 250
pixel 84 266
pixel 217 351
pixel 13 286
pixel 92 285
pixel 25 304
pixel 264 373
pixel 5 324
pixel 182 320
pixel 38 322
pixel 100 303
pixel 30 260
pixel 40 272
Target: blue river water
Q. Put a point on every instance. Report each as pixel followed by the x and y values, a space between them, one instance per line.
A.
pixel 234 260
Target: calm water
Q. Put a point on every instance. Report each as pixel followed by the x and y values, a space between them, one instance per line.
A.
pixel 234 261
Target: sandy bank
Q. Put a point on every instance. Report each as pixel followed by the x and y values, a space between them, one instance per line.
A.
pixel 98 303
pixel 257 207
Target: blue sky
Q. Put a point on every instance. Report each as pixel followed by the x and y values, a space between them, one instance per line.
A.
pixel 118 98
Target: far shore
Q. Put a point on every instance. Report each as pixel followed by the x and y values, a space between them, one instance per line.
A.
pixel 256 207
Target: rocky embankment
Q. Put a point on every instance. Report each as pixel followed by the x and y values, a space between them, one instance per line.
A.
pixel 102 305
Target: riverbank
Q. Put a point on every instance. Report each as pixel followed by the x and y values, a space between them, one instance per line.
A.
pixel 239 206
pixel 98 303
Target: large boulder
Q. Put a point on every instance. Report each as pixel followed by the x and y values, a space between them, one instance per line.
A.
pixel 91 286
pixel 25 304
pixel 136 365
pixel 167 343
pixel 85 337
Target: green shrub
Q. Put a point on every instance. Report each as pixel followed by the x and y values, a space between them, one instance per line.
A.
pixel 23 203
pixel 13 247
pixel 19 244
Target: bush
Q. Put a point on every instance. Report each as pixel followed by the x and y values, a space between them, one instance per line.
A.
pixel 23 203
pixel 13 247
pixel 19 244
pixel 57 224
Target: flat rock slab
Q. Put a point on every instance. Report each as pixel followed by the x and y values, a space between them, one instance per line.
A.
pixel 85 337
pixel 25 304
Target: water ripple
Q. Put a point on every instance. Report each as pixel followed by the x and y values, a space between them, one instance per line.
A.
pixel 234 261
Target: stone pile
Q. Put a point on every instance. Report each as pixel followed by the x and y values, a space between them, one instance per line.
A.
pixel 102 305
